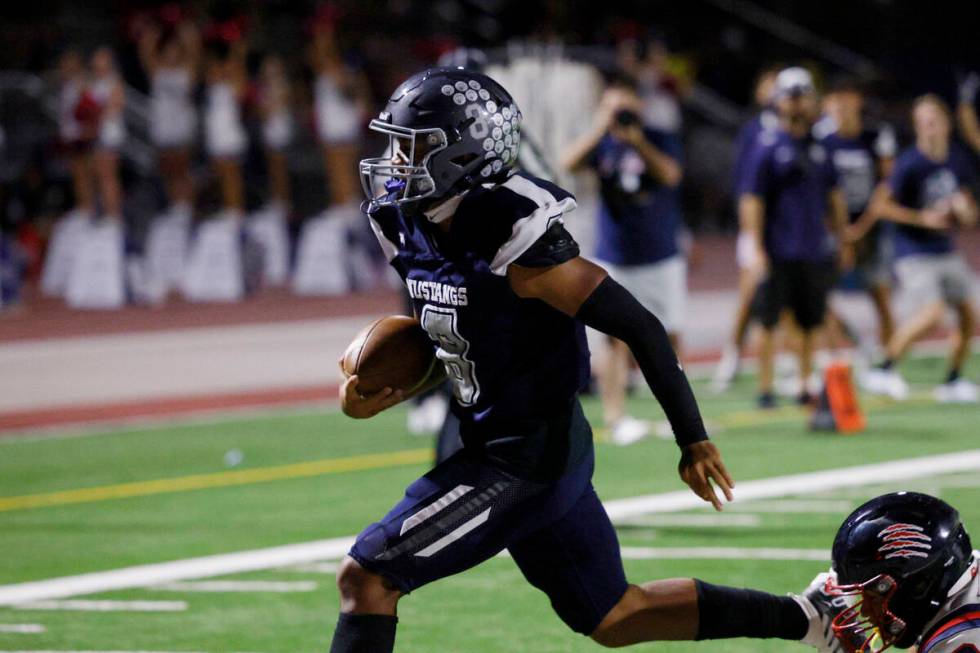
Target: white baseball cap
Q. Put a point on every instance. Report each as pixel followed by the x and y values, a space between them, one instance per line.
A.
pixel 793 81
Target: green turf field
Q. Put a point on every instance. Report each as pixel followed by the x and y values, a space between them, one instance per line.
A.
pixel 75 505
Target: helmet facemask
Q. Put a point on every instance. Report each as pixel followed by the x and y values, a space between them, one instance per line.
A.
pixel 868 625
pixel 402 174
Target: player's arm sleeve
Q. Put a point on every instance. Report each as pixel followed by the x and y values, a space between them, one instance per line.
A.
pixel 614 311
pixel 555 247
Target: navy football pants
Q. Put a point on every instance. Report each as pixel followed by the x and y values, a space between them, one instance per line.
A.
pixel 467 510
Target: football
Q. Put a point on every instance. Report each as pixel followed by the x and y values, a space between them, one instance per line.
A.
pixel 391 352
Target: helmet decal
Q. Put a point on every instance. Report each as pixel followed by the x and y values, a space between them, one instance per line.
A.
pixel 904 541
pixel 450 130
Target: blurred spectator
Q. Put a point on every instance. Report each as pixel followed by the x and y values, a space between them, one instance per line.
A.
pixel 659 90
pixel 340 98
pixel 927 195
pixel 863 156
pixel 277 128
pixel 966 110
pixel 765 121
pixel 790 189
pixel 171 60
pixel 78 118
pixel 109 93
pixel 639 169
pixel 224 134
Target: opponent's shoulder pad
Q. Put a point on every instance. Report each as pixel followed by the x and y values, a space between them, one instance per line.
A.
pixel 517 213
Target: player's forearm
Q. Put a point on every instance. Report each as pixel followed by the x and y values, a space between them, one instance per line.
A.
pixel 615 312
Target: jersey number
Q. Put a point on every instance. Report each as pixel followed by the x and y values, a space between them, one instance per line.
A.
pixel 441 325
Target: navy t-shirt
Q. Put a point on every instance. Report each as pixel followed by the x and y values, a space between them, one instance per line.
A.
pixel 639 218
pixel 918 182
pixel 793 177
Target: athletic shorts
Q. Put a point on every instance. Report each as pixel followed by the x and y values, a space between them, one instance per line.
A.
pixel 802 286
pixel 929 278
pixel 660 287
pixel 468 509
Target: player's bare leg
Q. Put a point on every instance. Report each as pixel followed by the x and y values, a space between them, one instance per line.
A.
pixel 107 172
pixel 748 282
pixel 807 338
pixel 881 298
pixel 920 324
pixel 81 175
pixel 368 605
pixel 613 378
pixel 767 350
pixel 966 318
pixel 672 610
pixel 659 610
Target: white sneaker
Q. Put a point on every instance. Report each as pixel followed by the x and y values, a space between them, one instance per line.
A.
pixel 727 369
pixel 960 391
pixel 820 609
pixel 885 382
pixel 628 430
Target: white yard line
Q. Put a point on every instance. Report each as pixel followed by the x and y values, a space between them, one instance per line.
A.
pixel 176 570
pixel 314 568
pixel 797 506
pixel 722 520
pixel 281 587
pixel 893 473
pixel 24 629
pixel 723 553
pixel 80 605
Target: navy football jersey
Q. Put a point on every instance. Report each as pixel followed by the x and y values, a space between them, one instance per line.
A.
pixel 508 358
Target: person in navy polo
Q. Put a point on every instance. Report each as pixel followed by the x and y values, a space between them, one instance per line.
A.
pixel 791 204
pixel 638 225
pixel 928 194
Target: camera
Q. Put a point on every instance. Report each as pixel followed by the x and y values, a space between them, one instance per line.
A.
pixel 627 118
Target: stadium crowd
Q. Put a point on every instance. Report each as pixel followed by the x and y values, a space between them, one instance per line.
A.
pixel 824 193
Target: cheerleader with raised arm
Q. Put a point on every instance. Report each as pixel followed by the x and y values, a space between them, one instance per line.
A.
pixel 171 59
pixel 224 135
pixel 341 105
pixel 78 127
pixel 109 93
pixel 277 129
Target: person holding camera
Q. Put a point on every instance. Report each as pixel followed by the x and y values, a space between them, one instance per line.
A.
pixel 639 220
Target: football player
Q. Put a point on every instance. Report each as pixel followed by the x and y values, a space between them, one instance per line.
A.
pixel 904 574
pixel 498 284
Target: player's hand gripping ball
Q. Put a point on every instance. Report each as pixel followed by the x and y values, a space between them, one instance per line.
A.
pixel 388 360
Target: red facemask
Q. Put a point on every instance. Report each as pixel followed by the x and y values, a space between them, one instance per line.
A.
pixel 867 626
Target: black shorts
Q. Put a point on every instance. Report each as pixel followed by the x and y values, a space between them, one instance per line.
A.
pixel 468 509
pixel 801 286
